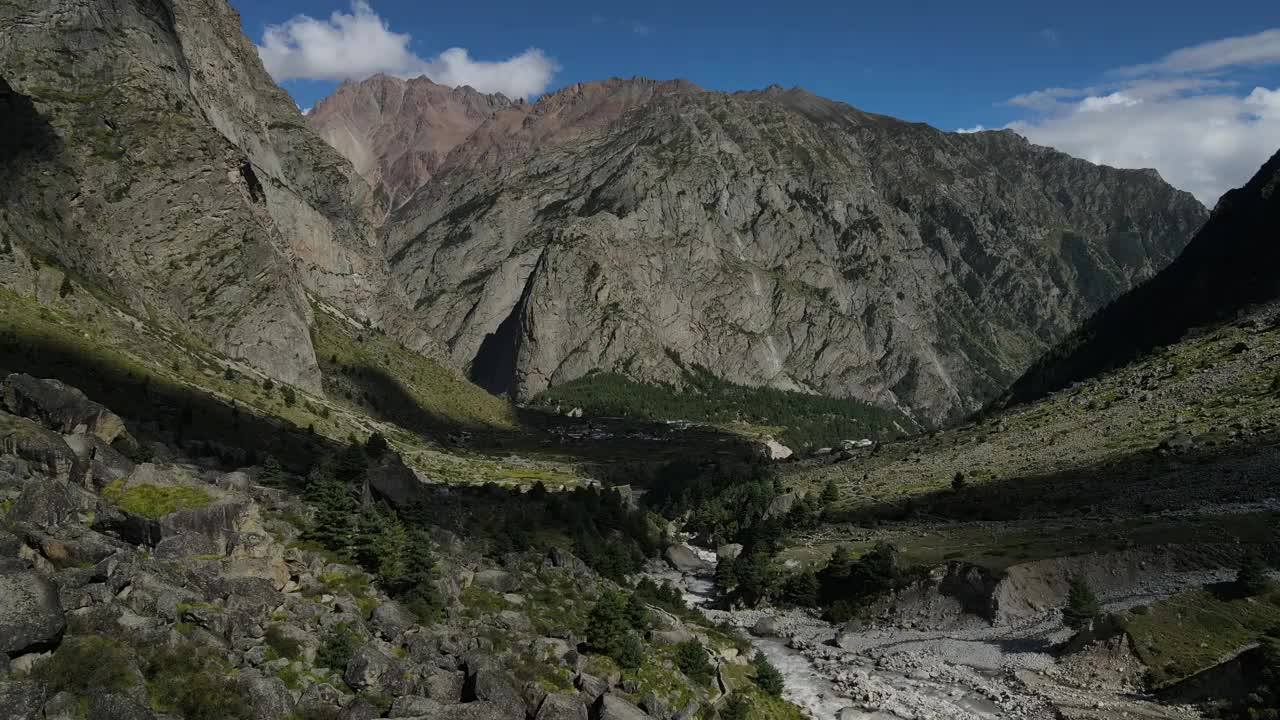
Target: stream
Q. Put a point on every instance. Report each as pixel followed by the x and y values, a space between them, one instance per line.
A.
pixel 874 682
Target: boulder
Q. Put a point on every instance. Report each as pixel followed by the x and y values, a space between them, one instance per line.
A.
pixel 391 620
pixel 117 707
pixel 413 706
pixel 488 683
pixel 360 709
pixel 31 615
pixel 268 697
pixel 444 686
pixel 590 686
pixel 103 461
pixel 48 503
pixel 780 506
pixel 59 407
pixel 499 581
pixel 27 448
pixel 390 479
pixel 613 707
pixel 683 558
pixel 730 551
pixel 368 667
pixel 562 706
pixel 766 626
pixel 771 449
pixel 21 700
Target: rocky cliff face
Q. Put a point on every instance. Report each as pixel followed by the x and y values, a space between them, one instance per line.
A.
pixel 149 153
pixel 779 239
pixel 1229 265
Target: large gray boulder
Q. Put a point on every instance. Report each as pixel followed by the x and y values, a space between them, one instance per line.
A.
pixel 369 668
pixel 27 448
pixel 31 615
pixel 267 696
pixel 59 407
pixel 562 706
pixel 683 558
pixel 21 700
pixel 47 503
pixel 613 707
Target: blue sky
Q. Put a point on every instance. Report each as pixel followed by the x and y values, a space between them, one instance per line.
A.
pixel 953 65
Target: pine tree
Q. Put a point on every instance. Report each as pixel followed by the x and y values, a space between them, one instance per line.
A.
pixel 332 526
pixel 1082 605
pixel 607 625
pixel 691 658
pixel 801 589
pixel 1251 578
pixel 417 588
pixel 767 677
pixel 637 613
pixel 830 495
pixel 631 653
pixel 726 578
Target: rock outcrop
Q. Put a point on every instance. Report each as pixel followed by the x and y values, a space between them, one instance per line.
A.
pixel 150 155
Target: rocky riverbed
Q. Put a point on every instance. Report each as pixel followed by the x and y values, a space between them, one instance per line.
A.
pixel 974 671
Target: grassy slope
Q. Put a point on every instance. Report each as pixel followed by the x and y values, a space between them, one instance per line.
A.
pixel 1092 448
pixel 1186 633
pixel 100 344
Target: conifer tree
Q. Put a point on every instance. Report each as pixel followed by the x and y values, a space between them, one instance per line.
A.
pixel 767 677
pixel 1082 605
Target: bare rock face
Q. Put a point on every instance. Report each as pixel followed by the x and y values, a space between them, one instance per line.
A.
pixel 149 152
pixel 397 133
pixel 775 238
pixel 59 406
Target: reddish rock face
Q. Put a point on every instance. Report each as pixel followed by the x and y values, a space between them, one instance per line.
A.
pixel 398 132
pixel 401 133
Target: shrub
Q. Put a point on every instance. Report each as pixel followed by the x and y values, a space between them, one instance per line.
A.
pixel 631 653
pixel 692 660
pixel 735 707
pixel 83 664
pixel 958 482
pixel 194 683
pixel 338 648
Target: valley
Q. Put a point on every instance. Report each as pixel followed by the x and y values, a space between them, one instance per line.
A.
pixel 634 400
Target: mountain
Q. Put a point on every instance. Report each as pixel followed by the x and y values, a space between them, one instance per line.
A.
pixel 398 132
pixel 1229 265
pixel 149 155
pixel 773 238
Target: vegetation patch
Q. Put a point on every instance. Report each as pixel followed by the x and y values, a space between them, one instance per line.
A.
pixel 1192 631
pixel 155 501
pixel 806 420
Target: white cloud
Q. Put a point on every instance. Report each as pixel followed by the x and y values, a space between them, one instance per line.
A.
pixel 976 128
pixel 1259 49
pixel 358 44
pixel 1183 115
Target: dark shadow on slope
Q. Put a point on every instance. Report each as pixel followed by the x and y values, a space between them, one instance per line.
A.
pixel 156 410
pixel 1230 264
pixel 25 135
pixel 1143 482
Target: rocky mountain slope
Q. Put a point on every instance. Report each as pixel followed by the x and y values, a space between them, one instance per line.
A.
pixel 398 132
pixel 1229 266
pixel 141 583
pixel 148 153
pixel 776 238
